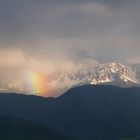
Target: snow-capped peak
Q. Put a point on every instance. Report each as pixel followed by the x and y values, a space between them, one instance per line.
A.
pixel 103 73
pixel 109 73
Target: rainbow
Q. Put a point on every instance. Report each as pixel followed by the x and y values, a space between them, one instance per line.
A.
pixel 37 83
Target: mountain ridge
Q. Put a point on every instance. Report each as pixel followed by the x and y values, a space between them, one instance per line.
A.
pixel 12 128
pixel 85 112
pixel 113 73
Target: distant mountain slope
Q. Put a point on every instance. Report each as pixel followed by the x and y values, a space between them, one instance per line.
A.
pixel 88 112
pixel 59 81
pixel 103 73
pixel 85 113
pixel 19 129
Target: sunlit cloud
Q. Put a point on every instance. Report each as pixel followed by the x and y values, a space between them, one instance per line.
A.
pixel 11 57
pixel 48 37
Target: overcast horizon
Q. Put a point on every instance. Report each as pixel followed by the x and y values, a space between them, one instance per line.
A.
pixel 46 36
pixel 103 30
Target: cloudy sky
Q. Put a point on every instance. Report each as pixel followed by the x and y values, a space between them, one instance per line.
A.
pixel 45 34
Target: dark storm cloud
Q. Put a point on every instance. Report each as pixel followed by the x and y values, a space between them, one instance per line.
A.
pixel 24 18
pixel 72 29
pixel 109 2
pixel 16 15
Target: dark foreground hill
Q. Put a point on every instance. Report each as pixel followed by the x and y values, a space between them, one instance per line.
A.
pixel 85 113
pixel 19 129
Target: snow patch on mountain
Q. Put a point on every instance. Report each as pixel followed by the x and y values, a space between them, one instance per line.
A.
pixel 59 82
pixel 100 74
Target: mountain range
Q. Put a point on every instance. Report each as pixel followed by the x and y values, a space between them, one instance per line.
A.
pixel 12 128
pixel 59 82
pixel 99 112
pixel 101 74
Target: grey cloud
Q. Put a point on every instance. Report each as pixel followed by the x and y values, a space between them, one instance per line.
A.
pixel 72 29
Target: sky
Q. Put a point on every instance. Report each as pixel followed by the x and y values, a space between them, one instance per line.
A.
pixel 63 30
pixel 51 35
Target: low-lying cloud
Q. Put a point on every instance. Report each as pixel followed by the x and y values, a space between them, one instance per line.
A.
pixel 49 36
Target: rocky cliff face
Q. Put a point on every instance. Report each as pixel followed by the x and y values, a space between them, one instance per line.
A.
pixel 100 74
